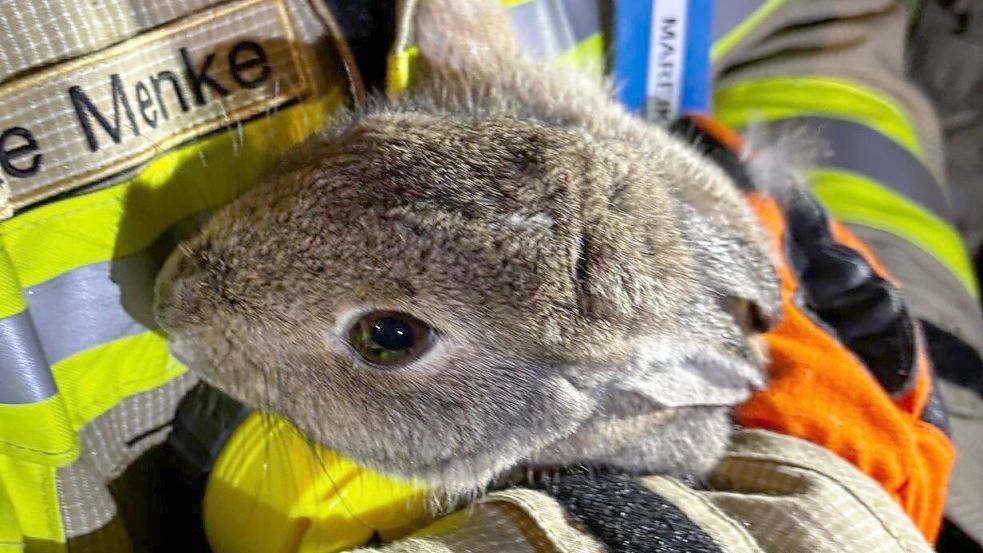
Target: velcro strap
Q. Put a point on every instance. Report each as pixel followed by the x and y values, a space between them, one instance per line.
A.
pixel 623 513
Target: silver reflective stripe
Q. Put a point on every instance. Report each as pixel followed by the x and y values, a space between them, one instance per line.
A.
pixel 548 28
pixel 24 373
pixel 92 305
pixel 95 304
pixel 860 149
pixel 728 14
pixel 584 17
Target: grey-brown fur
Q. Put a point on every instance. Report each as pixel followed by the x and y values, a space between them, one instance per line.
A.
pixel 590 276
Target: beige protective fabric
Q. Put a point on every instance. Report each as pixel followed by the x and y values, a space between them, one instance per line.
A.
pixel 84 120
pixel 35 34
pixel 947 62
pixel 771 493
pixel 85 502
pixel 109 444
pixel 792 495
pixel 116 438
pixel 964 506
pixel 518 522
pixel 859 40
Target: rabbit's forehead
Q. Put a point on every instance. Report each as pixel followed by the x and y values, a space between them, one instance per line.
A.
pixel 511 173
pixel 429 254
pixel 455 145
pixel 388 252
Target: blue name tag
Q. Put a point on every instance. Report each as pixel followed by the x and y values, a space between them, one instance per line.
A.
pixel 662 56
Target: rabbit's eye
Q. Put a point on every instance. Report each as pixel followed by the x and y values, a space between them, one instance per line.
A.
pixel 390 339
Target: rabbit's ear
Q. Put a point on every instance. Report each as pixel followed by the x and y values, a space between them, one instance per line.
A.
pixel 470 59
pixel 733 253
pixel 465 37
pixel 737 267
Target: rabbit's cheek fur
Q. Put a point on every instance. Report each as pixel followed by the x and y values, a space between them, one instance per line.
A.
pixel 453 428
pixel 454 432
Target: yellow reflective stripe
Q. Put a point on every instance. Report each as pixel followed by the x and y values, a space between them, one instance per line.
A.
pixel 727 42
pixel 111 223
pixel 11 298
pixel 11 535
pixel 772 98
pixel 31 488
pixel 587 56
pixel 514 3
pixel 13 547
pixel 852 198
pixel 21 433
pixel 93 381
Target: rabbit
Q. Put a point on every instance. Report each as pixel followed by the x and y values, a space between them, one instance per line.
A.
pixel 500 269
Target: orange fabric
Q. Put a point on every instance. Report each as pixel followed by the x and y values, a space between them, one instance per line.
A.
pixel 722 133
pixel 821 392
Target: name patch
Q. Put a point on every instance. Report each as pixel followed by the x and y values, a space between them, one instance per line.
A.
pixel 84 120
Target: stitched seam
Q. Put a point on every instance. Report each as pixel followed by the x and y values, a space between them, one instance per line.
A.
pixel 52 517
